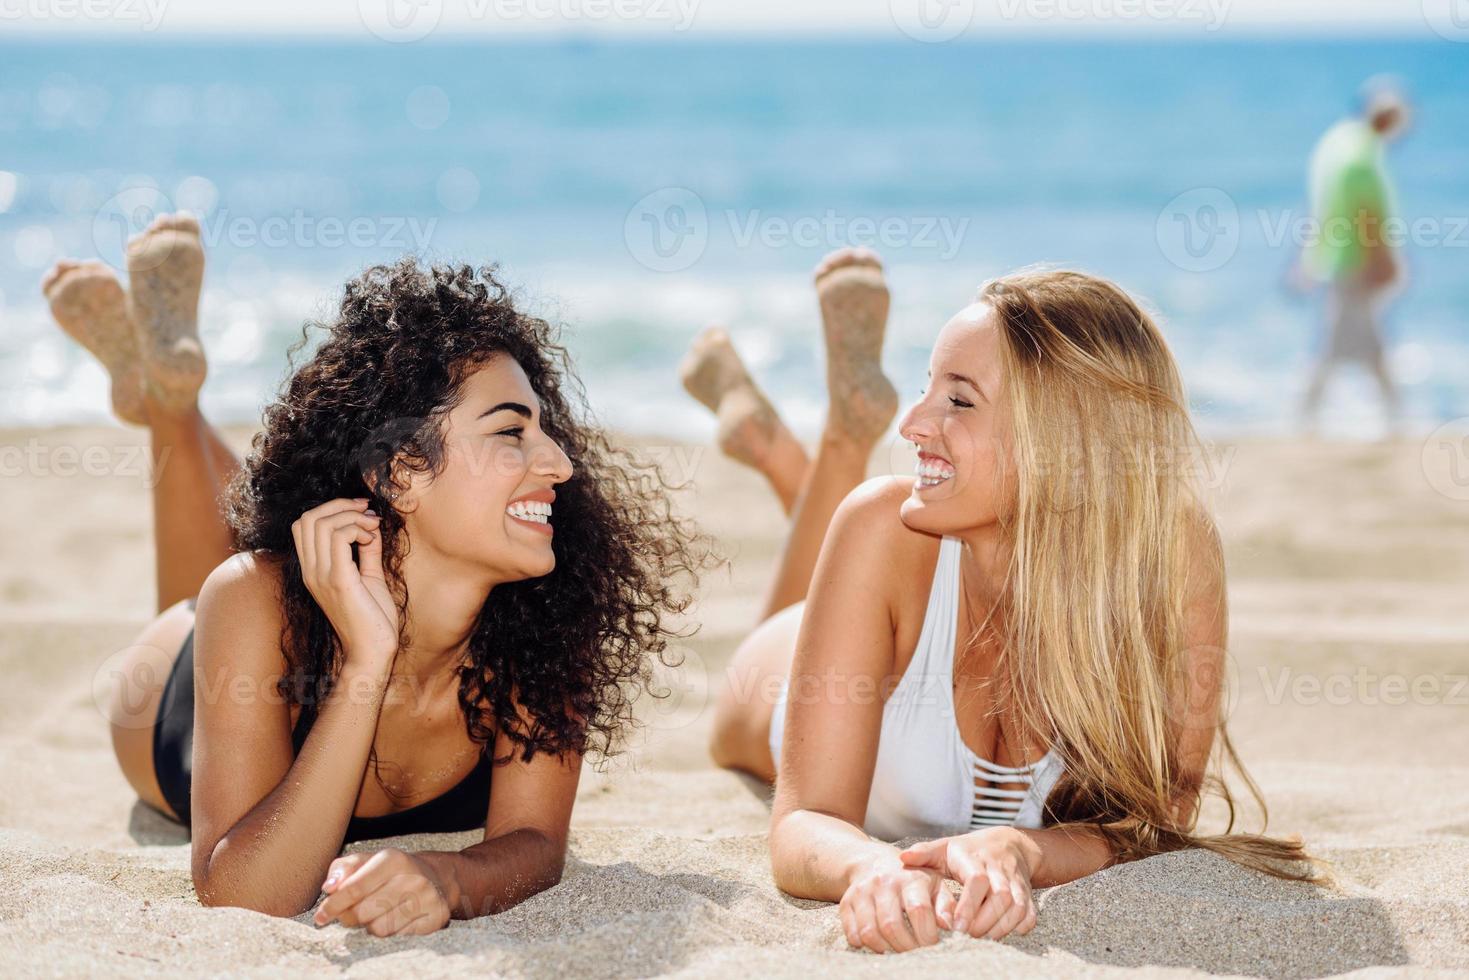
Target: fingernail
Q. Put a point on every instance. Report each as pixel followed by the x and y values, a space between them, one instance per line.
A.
pixel 370 512
pixel 961 926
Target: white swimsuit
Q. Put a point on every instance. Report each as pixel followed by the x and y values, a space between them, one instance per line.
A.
pixel 925 783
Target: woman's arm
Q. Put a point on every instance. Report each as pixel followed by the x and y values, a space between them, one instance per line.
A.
pixel 844 656
pixel 844 651
pixel 392 892
pixel 524 849
pixel 266 827
pixel 1056 855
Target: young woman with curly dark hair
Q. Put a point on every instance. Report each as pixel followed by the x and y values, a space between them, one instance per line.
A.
pixel 391 632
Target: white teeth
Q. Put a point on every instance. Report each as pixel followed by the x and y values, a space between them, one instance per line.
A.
pixel 530 510
pixel 932 472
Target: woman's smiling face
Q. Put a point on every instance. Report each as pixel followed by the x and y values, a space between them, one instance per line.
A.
pixel 960 429
pixel 491 505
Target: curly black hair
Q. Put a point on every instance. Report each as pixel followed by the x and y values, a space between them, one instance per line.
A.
pixel 574 647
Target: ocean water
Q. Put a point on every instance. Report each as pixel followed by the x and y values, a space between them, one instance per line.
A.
pixel 637 190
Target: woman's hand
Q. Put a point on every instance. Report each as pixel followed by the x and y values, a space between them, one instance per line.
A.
pixel 390 893
pixel 874 904
pixel 354 595
pixel 995 873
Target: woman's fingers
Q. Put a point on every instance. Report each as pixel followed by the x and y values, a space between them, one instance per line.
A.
pixel 1014 915
pixel 403 899
pixel 869 930
pixel 370 554
pixel 361 881
pixel 330 509
pixel 1027 923
pixel 917 898
pixel 385 893
pixel 327 570
pixel 971 898
pixel 944 904
pixel 890 921
pixel 996 906
pixel 297 541
pixel 379 898
pixel 1021 913
pixel 323 530
pixel 305 544
pixel 338 870
pixel 343 571
pixel 304 527
pixel 849 924
pixel 420 926
pixel 928 854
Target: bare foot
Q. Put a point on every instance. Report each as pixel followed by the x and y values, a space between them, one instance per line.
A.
pixel 854 314
pixel 749 427
pixel 89 303
pixel 166 269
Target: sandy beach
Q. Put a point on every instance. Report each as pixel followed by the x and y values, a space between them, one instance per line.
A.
pixel 1348 570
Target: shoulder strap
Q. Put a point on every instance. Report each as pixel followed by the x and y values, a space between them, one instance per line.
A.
pixel 935 654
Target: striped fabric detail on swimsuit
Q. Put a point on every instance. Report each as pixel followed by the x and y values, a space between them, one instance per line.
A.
pixel 999 807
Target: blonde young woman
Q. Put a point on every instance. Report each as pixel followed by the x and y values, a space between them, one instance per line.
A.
pixel 1016 653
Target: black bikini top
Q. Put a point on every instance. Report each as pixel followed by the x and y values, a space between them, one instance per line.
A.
pixel 463 807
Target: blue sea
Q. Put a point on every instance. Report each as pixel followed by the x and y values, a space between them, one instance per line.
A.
pixel 637 190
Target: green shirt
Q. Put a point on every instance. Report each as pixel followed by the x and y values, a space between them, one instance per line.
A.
pixel 1348 180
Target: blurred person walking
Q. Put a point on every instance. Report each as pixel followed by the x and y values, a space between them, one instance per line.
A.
pixel 1353 252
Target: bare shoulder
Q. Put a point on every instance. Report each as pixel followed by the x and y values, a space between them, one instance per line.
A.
pixel 1203 555
pixel 241 603
pixel 869 524
pixel 246 578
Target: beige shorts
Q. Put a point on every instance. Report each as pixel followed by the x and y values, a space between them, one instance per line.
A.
pixel 1352 317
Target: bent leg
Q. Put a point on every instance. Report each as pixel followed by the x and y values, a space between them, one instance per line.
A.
pixel 750 429
pixel 135 680
pixel 854 309
pixel 746 703
pixel 147 339
pixel 839 467
pixel 191 464
pixel 226 463
pixel 190 536
pixel 89 303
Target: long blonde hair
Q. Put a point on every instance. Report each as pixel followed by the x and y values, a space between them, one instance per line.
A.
pixel 1103 536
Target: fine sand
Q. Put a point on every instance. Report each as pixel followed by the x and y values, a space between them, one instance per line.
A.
pixel 1349 585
